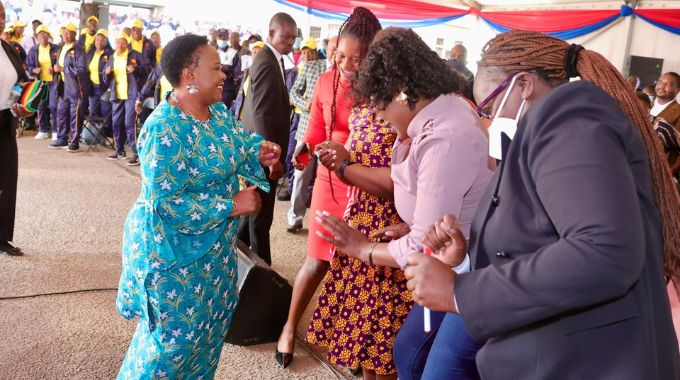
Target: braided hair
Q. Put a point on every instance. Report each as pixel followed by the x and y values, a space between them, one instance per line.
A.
pixel 362 25
pixel 524 50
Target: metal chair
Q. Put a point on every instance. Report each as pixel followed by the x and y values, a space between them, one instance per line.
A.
pixel 94 125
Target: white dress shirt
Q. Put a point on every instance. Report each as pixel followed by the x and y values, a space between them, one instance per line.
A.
pixel 278 60
pixel 658 108
pixel 8 77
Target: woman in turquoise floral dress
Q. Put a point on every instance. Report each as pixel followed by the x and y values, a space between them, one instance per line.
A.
pixel 179 262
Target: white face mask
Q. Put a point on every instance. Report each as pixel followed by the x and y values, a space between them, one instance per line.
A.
pixel 222 43
pixel 500 125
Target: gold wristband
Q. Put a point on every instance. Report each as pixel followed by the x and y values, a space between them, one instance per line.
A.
pixel 370 254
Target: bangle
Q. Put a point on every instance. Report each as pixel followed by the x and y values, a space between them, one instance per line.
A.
pixel 370 254
pixel 234 208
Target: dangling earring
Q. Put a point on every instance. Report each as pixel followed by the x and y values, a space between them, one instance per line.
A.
pixel 192 89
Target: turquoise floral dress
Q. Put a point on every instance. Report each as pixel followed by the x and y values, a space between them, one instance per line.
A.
pixel 179 262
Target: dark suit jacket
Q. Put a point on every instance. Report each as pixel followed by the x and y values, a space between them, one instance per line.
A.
pixel 266 109
pixel 567 279
pixel 77 84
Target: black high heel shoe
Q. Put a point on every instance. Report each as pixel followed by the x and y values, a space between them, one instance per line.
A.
pixel 283 358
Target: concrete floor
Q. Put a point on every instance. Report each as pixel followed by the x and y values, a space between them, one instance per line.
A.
pixel 70 214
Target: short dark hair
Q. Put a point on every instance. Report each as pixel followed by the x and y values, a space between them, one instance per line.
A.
pixel 280 19
pixel 400 61
pixel 675 76
pixel 254 38
pixel 179 54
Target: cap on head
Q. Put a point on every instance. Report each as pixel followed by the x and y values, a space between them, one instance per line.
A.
pixel 18 24
pixel 93 18
pixel 70 27
pixel 103 32
pixel 309 42
pixel 138 23
pixel 222 32
pixel 43 28
pixel 123 36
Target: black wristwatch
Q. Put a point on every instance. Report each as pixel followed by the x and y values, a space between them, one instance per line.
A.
pixel 343 165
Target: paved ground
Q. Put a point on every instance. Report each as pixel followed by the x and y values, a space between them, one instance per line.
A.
pixel 70 214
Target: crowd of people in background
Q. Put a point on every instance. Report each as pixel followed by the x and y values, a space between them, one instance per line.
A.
pixel 396 151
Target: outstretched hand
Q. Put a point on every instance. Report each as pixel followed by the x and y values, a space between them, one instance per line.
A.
pixel 351 241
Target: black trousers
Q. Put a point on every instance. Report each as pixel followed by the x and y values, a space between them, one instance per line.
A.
pixel 254 230
pixel 9 169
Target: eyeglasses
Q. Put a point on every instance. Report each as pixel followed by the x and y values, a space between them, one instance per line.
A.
pixel 495 93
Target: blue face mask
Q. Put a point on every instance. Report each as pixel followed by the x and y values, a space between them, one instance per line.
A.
pixel 222 44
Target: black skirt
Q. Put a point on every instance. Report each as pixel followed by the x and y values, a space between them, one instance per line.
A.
pixel 9 168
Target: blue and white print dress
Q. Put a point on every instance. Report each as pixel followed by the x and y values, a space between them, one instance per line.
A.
pixel 179 261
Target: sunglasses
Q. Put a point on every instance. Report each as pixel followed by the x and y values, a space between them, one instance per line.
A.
pixel 480 108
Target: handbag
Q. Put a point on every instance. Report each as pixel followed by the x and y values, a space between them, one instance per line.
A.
pixel 32 94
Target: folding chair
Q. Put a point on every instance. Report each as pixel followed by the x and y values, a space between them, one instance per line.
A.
pixel 94 125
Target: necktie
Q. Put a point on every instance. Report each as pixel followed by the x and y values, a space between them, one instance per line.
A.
pixel 283 70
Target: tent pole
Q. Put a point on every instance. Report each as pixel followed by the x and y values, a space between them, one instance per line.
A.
pixel 629 37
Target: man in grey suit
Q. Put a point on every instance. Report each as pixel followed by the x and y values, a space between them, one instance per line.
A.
pixel 267 111
pixel 566 247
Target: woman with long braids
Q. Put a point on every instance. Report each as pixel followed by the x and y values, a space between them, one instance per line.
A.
pixel 439 165
pixel 569 243
pixel 328 123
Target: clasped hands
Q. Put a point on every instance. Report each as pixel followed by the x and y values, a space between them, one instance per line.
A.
pixel 331 154
pixel 430 278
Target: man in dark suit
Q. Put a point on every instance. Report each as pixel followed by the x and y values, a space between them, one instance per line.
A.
pixel 566 247
pixel 267 111
pixel 12 68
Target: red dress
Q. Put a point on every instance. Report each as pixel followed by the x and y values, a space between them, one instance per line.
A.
pixel 317 132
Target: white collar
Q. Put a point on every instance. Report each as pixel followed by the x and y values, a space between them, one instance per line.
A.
pixel 276 52
pixel 278 56
pixel 658 108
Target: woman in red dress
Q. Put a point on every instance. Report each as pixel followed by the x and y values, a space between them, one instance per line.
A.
pixel 332 104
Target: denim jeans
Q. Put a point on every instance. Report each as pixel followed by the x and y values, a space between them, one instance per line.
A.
pixel 448 352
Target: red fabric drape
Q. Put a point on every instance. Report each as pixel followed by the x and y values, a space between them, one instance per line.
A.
pixel 668 17
pixel 385 9
pixel 548 20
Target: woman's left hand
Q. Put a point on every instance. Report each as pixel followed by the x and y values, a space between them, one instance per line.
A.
pixel 350 240
pixel 20 111
pixel 331 154
pixel 269 153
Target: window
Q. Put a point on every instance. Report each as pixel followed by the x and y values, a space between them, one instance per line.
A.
pixel 314 32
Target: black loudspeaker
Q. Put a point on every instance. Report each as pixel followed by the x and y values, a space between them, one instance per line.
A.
pixel 264 299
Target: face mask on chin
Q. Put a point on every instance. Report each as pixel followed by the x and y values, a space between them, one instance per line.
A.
pixel 222 44
pixel 503 125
